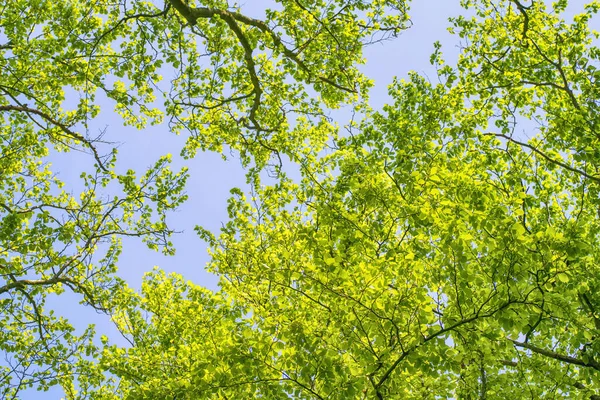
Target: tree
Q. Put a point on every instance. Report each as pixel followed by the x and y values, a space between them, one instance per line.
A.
pixel 258 87
pixel 53 239
pixel 445 246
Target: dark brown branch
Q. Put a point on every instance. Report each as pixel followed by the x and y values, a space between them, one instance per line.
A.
pixel 547 157
pixel 325 27
pixel 64 128
pixel 405 353
pixel 581 386
pixel 523 10
pixel 73 285
pixel 32 282
pixel 509 363
pixel 221 102
pixel 251 66
pixel 585 299
pixel 286 51
pixel 125 19
pixel 483 380
pixel 38 316
pixel 566 88
pixel 192 15
pixel 557 356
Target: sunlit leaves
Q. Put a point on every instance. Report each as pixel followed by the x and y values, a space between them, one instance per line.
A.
pixel 439 250
pixel 447 247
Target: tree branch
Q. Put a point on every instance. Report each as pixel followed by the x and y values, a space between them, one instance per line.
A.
pixel 547 157
pixel 68 132
pixel 251 66
pixel 557 356
pixel 192 15
pixel 405 353
pixel 17 284
pixel 523 10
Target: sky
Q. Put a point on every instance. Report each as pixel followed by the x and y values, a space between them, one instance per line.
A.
pixel 211 178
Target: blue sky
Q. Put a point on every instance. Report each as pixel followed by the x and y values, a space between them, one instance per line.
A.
pixel 211 178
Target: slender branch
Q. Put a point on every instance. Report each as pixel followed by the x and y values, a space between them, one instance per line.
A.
pixel 523 10
pixel 325 27
pixel 592 309
pixel 483 379
pixel 251 66
pixel 125 19
pixel 33 282
pixel 193 14
pixel 75 286
pixel 68 132
pixel 547 157
pixel 38 316
pixel 557 356
pixel 405 353
pixel 221 102
pixel 509 363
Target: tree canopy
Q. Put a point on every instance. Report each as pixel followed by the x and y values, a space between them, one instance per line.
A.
pixel 444 246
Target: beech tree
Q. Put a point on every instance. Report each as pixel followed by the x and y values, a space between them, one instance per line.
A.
pixel 445 246
pixel 258 87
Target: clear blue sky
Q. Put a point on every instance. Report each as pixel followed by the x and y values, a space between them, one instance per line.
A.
pixel 211 178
